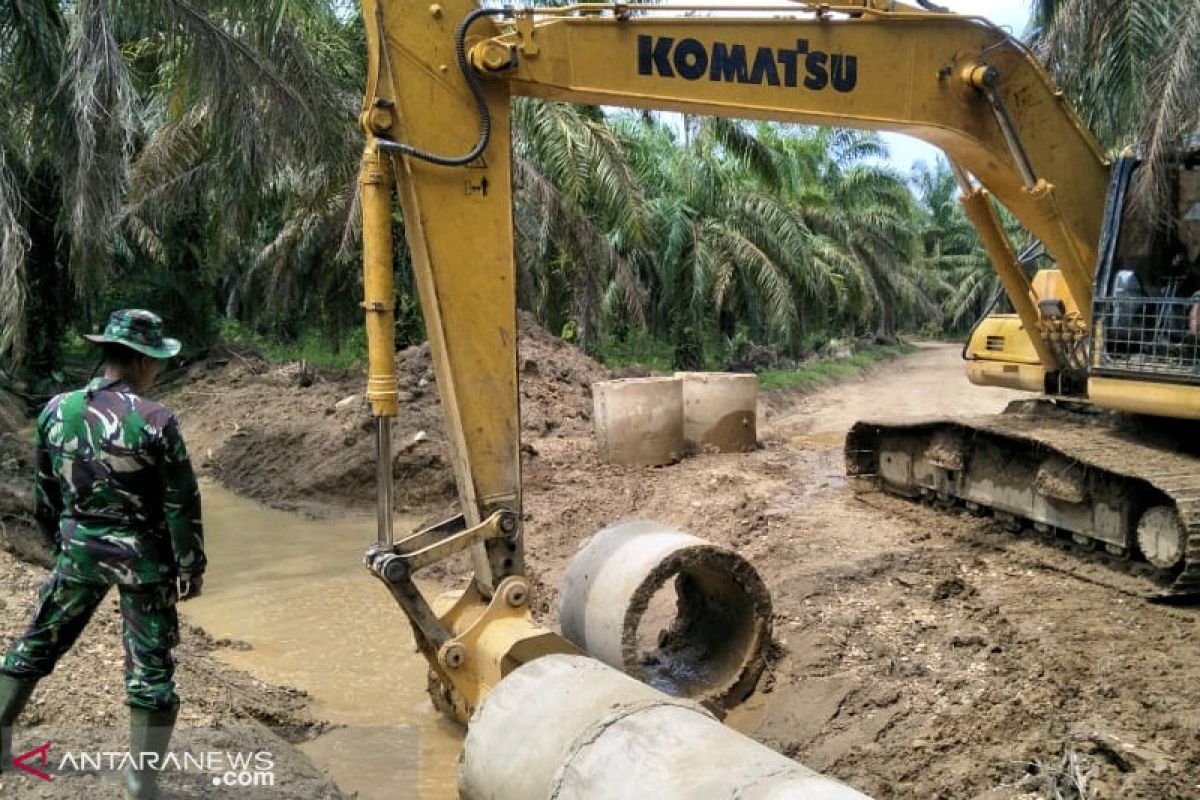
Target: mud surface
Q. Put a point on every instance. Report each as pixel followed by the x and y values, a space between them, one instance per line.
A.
pixel 920 654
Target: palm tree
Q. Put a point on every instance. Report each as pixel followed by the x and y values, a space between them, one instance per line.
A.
pixel 580 217
pixel 776 230
pixel 861 217
pixel 33 40
pixel 1129 67
pixel 721 244
pixel 950 249
pixel 170 126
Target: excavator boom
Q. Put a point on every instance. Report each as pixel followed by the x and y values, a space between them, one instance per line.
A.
pixel 930 75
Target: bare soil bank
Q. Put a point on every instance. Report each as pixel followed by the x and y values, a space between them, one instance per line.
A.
pixel 80 707
pixel 305 442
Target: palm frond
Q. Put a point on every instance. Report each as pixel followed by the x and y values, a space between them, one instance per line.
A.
pixel 102 100
pixel 738 140
pixel 14 244
pixel 1176 110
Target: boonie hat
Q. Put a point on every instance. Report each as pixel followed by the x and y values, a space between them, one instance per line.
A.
pixel 138 330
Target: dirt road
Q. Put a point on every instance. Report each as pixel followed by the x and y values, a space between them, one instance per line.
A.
pixel 938 656
pixel 929 381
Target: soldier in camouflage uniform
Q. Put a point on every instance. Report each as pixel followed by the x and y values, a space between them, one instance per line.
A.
pixel 116 495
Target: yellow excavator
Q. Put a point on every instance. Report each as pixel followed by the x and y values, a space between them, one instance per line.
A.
pixel 1107 321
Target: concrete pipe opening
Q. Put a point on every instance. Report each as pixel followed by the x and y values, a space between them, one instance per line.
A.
pixel 676 612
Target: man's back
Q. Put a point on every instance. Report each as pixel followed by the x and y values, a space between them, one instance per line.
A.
pixel 115 485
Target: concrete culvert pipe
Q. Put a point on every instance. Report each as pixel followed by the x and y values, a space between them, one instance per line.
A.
pixel 670 609
pixel 720 410
pixel 568 728
pixel 639 421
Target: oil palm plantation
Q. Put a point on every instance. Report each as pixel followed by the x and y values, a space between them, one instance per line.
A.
pixel 949 248
pixel 141 142
pixel 720 248
pixel 579 215
pixel 862 215
pixel 776 231
pixel 198 156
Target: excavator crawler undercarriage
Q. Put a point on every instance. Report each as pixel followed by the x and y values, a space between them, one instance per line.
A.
pixel 1107 481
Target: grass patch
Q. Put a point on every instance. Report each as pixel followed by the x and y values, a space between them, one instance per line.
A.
pixel 825 371
pixel 657 355
pixel 311 347
pixel 636 349
pixel 314 352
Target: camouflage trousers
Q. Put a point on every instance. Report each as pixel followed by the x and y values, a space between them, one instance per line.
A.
pixel 151 630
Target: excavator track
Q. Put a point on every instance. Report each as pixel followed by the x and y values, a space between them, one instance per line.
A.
pixel 1105 480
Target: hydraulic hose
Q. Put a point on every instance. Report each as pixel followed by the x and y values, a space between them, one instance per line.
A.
pixel 485 117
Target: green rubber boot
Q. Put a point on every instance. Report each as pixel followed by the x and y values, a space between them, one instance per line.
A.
pixel 149 732
pixel 14 694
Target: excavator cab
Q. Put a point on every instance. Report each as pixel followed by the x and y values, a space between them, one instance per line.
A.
pixel 1147 298
pixel 1141 351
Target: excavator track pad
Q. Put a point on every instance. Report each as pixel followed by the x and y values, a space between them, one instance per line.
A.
pixel 1125 484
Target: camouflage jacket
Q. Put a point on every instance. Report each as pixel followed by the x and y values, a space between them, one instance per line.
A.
pixel 115 488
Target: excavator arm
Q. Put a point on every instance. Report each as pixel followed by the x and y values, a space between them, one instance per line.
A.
pixel 436 119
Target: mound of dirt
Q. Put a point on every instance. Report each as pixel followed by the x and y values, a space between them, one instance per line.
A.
pixel 17 532
pixel 299 440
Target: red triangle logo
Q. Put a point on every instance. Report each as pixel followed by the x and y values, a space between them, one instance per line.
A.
pixel 19 761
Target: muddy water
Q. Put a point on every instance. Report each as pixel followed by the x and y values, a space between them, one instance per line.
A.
pixel 295 590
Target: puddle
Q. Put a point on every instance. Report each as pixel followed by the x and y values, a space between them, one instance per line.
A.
pixel 295 589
